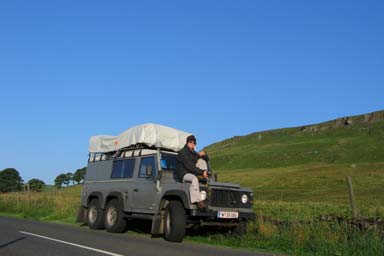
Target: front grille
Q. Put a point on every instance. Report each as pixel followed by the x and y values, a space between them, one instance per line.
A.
pixel 226 198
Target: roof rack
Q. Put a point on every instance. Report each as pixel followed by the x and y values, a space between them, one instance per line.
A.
pixel 144 146
pixel 124 152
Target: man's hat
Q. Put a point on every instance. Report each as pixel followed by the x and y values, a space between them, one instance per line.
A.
pixel 191 138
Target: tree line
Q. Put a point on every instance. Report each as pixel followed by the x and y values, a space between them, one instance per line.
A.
pixel 67 178
pixel 11 181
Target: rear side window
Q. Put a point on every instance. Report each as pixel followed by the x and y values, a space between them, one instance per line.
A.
pixel 123 168
pixel 129 165
pixel 117 167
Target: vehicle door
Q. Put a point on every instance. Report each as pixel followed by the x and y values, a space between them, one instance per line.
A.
pixel 144 189
pixel 122 180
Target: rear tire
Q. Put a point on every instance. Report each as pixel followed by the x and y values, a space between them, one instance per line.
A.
pixel 114 217
pixel 175 222
pixel 95 215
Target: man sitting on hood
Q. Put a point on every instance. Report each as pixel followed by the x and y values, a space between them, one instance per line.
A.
pixel 190 164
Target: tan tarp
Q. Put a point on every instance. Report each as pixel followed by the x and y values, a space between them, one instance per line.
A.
pixel 102 143
pixel 149 134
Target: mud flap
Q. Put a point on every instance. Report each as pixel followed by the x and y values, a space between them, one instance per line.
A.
pixel 157 224
pixel 81 215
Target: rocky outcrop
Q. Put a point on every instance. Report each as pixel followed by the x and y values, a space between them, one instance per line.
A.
pixel 364 121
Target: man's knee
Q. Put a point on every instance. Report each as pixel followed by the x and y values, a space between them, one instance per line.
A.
pixel 195 181
pixel 190 178
pixel 202 164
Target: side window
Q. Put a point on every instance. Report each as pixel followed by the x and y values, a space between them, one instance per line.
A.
pixel 129 166
pixel 147 167
pixel 116 170
pixel 168 162
pixel 123 168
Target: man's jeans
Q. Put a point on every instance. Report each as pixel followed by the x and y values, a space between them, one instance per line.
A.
pixel 194 190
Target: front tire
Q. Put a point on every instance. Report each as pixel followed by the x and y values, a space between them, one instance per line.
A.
pixel 175 222
pixel 95 215
pixel 114 217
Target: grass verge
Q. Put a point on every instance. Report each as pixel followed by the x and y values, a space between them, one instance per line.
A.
pixel 316 238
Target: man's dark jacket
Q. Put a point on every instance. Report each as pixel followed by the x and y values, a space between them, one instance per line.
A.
pixel 186 163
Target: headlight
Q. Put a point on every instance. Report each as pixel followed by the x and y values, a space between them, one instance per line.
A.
pixel 244 198
pixel 203 195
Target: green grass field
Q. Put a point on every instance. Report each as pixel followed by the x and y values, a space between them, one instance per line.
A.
pixel 308 191
pixel 52 205
pixel 297 174
pixel 300 173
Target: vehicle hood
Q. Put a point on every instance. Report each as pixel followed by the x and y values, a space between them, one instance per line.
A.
pixel 224 185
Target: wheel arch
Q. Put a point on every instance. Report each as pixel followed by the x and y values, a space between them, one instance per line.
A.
pixel 115 195
pixel 98 196
pixel 174 195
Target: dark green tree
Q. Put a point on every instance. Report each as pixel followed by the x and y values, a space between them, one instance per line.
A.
pixel 79 175
pixel 68 178
pixel 36 185
pixel 59 180
pixel 10 180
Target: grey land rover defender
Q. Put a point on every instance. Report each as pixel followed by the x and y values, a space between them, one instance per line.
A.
pixel 138 182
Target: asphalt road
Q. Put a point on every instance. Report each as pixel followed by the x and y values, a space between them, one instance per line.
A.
pixel 25 237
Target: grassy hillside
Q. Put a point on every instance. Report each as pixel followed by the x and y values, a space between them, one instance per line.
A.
pixel 331 143
pixel 300 172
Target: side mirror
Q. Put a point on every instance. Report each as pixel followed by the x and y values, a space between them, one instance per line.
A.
pixel 148 170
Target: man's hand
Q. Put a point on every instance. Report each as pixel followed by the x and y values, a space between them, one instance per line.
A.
pixel 202 153
pixel 205 174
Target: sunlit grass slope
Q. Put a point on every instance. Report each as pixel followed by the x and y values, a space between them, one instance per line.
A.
pixel 300 172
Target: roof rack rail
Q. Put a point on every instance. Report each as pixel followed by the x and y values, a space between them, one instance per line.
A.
pixel 143 146
pixel 136 146
pixel 123 152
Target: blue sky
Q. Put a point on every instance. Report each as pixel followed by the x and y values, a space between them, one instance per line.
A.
pixel 73 69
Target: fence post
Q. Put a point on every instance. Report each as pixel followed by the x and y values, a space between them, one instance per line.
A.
pixel 351 197
pixel 29 194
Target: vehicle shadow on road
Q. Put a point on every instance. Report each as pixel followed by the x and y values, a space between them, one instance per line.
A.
pixel 144 227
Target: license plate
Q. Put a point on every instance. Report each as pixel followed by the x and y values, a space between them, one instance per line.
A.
pixel 227 215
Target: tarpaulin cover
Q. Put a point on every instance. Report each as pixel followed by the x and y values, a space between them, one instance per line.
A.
pixel 150 134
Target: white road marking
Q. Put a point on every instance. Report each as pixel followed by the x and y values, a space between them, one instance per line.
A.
pixel 73 244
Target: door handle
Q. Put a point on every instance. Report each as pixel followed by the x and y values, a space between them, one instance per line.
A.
pixel 136 190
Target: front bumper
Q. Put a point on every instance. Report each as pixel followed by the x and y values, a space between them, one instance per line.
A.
pixel 211 213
